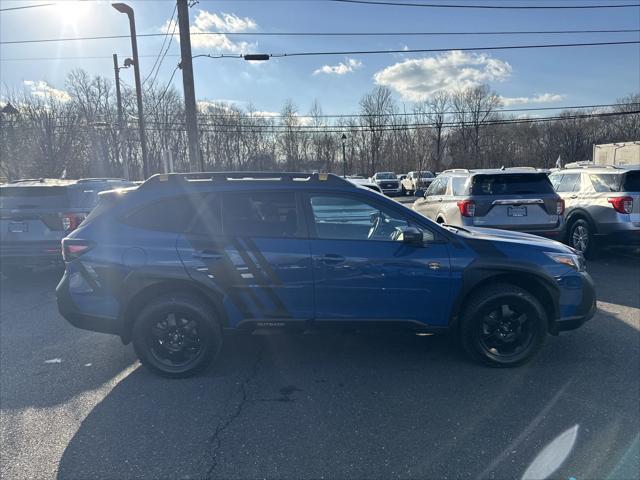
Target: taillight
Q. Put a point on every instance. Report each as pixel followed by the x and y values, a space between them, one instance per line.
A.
pixel 467 208
pixel 73 248
pixel 71 221
pixel 621 204
pixel 560 207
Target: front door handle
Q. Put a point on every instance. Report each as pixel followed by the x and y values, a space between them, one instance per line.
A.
pixel 573 197
pixel 207 255
pixel 332 258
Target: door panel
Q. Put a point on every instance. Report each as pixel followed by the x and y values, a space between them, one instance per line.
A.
pixel 253 251
pixel 362 273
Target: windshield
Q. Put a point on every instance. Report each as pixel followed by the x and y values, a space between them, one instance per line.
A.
pixel 427 175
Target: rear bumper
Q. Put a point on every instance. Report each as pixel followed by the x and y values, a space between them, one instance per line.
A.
pixel 69 310
pixel 585 310
pixel 31 253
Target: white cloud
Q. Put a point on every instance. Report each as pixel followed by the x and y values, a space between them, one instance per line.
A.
pixel 44 90
pixel 348 66
pixel 207 22
pixel 417 79
pixel 539 98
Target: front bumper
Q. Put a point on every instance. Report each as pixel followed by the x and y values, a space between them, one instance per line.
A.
pixel 70 311
pixel 585 310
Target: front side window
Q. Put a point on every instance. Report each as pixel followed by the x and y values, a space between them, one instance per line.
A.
pixel 347 218
pixel 438 187
pixel 262 214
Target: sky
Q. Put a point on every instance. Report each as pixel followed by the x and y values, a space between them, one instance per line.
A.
pixel 524 78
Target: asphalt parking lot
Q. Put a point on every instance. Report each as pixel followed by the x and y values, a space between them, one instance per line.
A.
pixel 76 404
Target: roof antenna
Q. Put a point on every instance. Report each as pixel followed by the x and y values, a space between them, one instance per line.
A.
pixel 502 168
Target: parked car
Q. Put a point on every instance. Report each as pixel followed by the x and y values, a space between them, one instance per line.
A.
pixel 512 199
pixel 174 264
pixel 35 214
pixel 388 183
pixel 602 205
pixel 401 176
pixel 416 182
pixel 364 182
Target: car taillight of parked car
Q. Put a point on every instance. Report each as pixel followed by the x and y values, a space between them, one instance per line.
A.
pixel 71 221
pixel 72 248
pixel 560 207
pixel 621 204
pixel 467 208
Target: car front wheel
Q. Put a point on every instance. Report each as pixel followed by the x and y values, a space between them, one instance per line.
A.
pixel 177 335
pixel 503 326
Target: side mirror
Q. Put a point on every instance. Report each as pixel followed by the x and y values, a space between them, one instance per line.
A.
pixel 412 236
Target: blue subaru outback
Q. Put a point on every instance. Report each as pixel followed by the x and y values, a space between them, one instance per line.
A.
pixel 174 263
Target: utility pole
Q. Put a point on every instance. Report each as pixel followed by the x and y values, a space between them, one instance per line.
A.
pixel 344 155
pixel 119 150
pixel 186 64
pixel 126 9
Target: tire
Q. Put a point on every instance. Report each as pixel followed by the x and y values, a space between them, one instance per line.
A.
pixel 581 238
pixel 503 337
pixel 403 191
pixel 177 336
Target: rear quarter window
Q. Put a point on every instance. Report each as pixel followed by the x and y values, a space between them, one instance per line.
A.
pixel 511 184
pixel 605 182
pixel 172 214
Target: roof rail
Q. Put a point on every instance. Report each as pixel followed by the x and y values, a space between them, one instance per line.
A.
pixel 589 165
pixel 105 179
pixel 456 170
pixel 221 177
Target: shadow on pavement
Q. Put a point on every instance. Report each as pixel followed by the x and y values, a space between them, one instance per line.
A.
pixel 369 406
pixel 44 360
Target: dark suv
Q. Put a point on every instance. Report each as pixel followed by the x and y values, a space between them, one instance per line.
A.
pixel 173 264
pixel 36 214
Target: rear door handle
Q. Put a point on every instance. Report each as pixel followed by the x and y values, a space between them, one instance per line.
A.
pixel 207 254
pixel 573 196
pixel 332 258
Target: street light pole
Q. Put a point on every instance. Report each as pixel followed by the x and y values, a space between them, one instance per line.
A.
pixel 126 9
pixel 344 155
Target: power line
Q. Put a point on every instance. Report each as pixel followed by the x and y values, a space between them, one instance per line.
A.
pixel 166 89
pixel 423 50
pixel 332 34
pixel 166 35
pixel 414 114
pixel 24 7
pixel 491 7
pixel 275 129
pixel 357 52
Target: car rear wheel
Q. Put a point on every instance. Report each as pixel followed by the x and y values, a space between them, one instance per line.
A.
pixel 503 326
pixel 581 238
pixel 177 336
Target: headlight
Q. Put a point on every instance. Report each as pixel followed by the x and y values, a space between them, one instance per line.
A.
pixel 569 259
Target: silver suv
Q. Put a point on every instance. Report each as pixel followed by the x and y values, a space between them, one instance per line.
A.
pixel 520 199
pixel 602 205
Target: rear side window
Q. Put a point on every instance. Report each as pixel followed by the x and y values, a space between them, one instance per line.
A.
pixel 511 184
pixel 19 198
pixel 570 183
pixel 261 214
pixel 605 182
pixel 631 181
pixel 173 214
